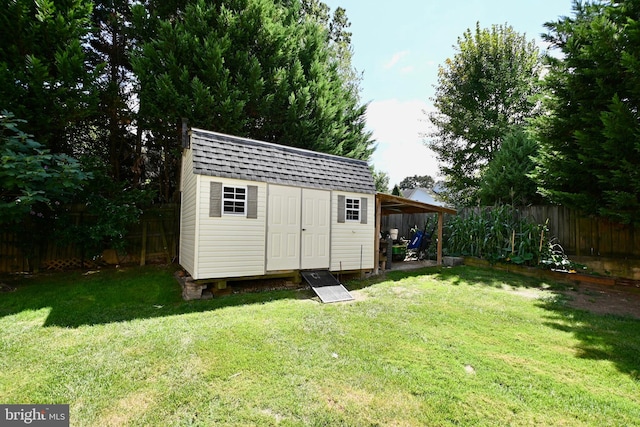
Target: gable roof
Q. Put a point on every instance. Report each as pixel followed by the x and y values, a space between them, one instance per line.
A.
pixel 226 156
pixel 423 195
pixel 409 193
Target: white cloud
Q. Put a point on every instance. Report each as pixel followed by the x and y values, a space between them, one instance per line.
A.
pixel 397 127
pixel 395 59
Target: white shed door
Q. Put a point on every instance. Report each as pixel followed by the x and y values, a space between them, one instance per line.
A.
pixel 283 228
pixel 316 217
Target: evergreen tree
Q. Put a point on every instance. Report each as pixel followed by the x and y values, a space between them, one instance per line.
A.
pixel 120 144
pixel 44 78
pixel 483 91
pixel 339 40
pixel 506 177
pixel 116 143
pixel 277 71
pixel 590 141
pixel 249 68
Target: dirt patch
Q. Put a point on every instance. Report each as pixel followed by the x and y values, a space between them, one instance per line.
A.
pixel 618 300
pixel 262 285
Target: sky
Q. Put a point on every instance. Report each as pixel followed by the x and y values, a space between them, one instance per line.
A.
pixel 398 47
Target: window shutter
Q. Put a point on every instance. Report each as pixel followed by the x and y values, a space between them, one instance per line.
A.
pixel 363 210
pixel 252 201
pixel 215 199
pixel 341 208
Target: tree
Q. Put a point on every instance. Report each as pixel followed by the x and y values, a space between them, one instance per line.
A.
pixel 251 68
pixel 32 178
pixel 396 191
pixel 339 42
pixel 488 87
pixel 590 140
pixel 381 180
pixel 416 181
pixel 117 141
pixel 506 177
pixel 111 79
pixel 43 74
pixel 339 39
pixel 111 206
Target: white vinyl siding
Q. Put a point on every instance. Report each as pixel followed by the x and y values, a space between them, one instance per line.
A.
pixel 351 238
pixel 188 186
pixel 230 245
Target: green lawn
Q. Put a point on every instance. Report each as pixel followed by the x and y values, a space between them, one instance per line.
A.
pixel 460 346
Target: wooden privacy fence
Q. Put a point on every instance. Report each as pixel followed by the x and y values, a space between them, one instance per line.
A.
pixel 404 223
pixel 153 239
pixel 582 235
pixel 577 234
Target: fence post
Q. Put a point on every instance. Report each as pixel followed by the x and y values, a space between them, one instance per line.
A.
pixel 440 224
pixel 376 239
pixel 143 252
pixel 82 241
pixel 164 241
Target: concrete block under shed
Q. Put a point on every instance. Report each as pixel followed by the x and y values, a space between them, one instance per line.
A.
pixel 190 289
pixel 452 261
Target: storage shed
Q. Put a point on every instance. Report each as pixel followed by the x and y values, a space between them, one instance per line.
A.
pixel 252 208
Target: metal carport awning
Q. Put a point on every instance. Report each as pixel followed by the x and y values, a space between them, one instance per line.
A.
pixel 387 204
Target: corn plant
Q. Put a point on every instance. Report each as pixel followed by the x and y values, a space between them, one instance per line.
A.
pixel 498 234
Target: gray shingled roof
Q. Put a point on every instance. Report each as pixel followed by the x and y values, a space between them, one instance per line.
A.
pixel 226 156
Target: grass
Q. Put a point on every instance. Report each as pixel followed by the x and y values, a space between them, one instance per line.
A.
pixel 460 346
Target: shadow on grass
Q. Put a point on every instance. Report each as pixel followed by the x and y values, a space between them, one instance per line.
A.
pixel 75 299
pixel 105 296
pixel 460 276
pixel 115 295
pixel 466 275
pixel 601 336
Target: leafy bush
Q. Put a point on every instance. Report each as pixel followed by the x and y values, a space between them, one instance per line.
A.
pixel 109 208
pixel 32 178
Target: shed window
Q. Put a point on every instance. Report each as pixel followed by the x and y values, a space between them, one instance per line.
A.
pixel 352 209
pixel 234 200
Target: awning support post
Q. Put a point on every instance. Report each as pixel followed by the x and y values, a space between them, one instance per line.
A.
pixel 376 248
pixel 440 225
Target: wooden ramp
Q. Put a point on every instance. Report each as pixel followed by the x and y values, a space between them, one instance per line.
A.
pixel 326 286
